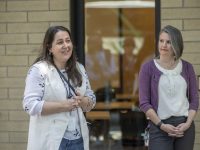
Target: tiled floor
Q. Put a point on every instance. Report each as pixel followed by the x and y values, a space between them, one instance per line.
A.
pixel 113 145
pixel 111 130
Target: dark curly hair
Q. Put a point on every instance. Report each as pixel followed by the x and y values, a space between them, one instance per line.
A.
pixel 70 67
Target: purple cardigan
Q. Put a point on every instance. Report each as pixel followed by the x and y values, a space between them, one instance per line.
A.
pixel 148 85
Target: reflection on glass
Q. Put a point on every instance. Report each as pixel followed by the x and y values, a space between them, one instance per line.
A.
pixel 119 38
pixel 101 63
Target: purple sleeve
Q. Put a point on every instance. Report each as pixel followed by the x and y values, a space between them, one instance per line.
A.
pixel 145 88
pixel 193 89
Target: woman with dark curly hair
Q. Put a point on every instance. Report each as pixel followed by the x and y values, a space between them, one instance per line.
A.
pixel 57 91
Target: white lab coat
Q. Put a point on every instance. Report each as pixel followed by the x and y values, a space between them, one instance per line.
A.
pixel 46 132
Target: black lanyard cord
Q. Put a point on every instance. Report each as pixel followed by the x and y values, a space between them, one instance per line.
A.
pixel 63 77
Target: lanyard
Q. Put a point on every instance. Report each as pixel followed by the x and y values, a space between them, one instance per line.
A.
pixel 63 78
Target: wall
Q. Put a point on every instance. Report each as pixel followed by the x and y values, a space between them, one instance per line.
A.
pixel 22 27
pixel 185 15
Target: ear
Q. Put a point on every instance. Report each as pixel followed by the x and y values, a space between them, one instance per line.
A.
pixel 50 52
pixel 50 49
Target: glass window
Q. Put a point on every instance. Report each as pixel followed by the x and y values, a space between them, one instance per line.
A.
pixel 120 36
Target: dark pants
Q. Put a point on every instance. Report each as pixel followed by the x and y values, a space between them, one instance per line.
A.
pixel 159 140
pixel 71 144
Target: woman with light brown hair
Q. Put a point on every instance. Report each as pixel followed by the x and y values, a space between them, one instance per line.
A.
pixel 168 95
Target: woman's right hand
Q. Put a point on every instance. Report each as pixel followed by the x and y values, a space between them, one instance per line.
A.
pixel 52 107
pixel 70 104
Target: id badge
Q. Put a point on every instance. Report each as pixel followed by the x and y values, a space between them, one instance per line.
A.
pixel 71 125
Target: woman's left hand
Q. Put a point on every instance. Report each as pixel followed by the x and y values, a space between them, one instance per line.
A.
pixel 83 101
pixel 183 127
pixel 79 99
